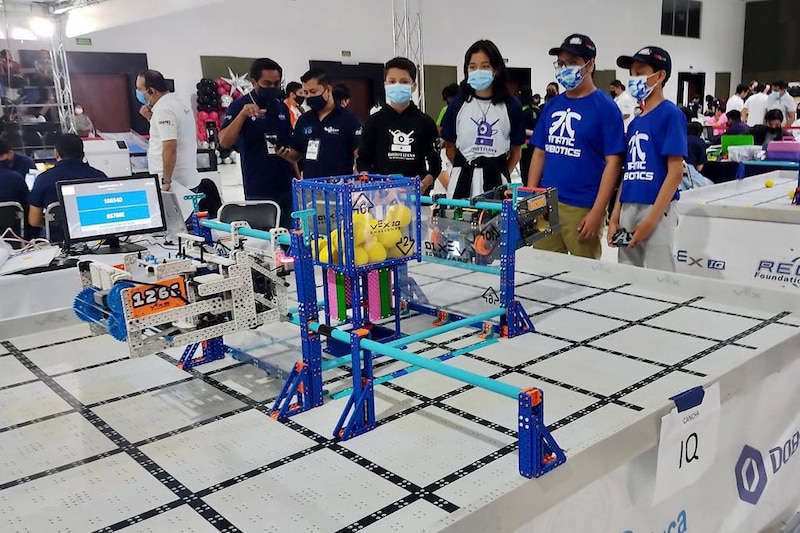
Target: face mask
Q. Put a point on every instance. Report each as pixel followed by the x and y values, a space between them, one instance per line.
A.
pixel 570 77
pixel 480 80
pixel 79 111
pixel 317 103
pixel 299 100
pixel 140 96
pixel 774 131
pixel 537 102
pixel 398 93
pixel 269 94
pixel 639 88
pixel 776 95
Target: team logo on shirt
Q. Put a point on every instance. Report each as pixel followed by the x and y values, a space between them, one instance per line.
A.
pixel 401 141
pixel 308 130
pixel 485 132
pixel 636 166
pixel 561 138
pixel 330 130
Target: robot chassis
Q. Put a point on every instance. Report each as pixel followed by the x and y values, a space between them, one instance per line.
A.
pixel 190 300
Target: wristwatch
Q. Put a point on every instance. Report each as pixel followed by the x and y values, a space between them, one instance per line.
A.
pixel 166 181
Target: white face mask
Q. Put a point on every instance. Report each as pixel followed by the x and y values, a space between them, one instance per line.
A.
pixel 79 111
pixel 639 88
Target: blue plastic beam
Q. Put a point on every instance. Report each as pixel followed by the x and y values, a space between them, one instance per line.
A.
pixel 482 382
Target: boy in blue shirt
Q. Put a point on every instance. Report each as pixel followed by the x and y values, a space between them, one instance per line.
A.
pixel 578 142
pixel 657 146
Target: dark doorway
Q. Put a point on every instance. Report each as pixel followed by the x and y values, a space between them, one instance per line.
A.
pixel 105 100
pixel 364 80
pixel 722 85
pixel 518 78
pixel 691 86
pixel 437 77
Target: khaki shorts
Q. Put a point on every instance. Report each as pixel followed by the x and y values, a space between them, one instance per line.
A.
pixel 568 239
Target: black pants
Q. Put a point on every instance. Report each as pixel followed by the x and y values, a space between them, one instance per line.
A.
pixel 525 164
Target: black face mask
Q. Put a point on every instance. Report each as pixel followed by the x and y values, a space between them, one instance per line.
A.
pixel 299 100
pixel 774 131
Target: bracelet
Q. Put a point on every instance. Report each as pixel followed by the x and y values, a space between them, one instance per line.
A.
pixel 166 181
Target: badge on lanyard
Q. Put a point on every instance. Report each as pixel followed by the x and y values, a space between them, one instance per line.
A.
pixel 312 150
pixel 272 144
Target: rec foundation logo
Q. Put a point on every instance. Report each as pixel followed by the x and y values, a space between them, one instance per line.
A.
pixel 779 271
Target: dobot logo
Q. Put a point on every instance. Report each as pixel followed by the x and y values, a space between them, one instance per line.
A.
pixel 751 470
pixel 751 475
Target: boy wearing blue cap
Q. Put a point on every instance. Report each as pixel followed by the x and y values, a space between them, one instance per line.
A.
pixel 645 217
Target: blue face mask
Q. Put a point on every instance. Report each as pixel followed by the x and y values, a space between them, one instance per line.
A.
pixel 639 88
pixel 398 93
pixel 141 98
pixel 776 95
pixel 480 80
pixel 570 77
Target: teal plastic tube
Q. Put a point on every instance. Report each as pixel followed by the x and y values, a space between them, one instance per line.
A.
pixel 247 232
pixel 482 382
pixel 489 206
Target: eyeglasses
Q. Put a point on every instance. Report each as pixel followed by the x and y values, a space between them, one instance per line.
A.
pixel 558 65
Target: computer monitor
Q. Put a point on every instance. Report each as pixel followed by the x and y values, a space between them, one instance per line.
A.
pixel 109 208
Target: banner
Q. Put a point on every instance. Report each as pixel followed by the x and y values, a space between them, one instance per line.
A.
pixel 753 484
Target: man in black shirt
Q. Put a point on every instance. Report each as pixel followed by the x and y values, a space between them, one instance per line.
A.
pixel 401 139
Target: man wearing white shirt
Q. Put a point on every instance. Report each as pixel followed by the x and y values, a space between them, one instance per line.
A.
pixel 781 99
pixel 172 152
pixel 625 102
pixel 756 107
pixel 736 101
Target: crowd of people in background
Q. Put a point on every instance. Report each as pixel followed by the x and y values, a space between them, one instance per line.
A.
pixel 618 154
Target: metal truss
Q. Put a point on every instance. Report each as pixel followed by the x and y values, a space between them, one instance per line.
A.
pixel 61 81
pixel 407 37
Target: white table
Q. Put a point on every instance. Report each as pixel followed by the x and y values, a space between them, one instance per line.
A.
pixel 742 231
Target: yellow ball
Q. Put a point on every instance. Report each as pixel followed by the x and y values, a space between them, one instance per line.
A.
pixel 362 257
pixel 321 244
pixel 376 252
pixel 389 238
pixel 769 184
pixel 394 252
pixel 334 239
pixel 792 193
pixel 399 213
pixel 325 256
pixel 360 232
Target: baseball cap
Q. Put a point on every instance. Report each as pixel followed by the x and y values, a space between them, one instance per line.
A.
pixel 656 57
pixel 577 44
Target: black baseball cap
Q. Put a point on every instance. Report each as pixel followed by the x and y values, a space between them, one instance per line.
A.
pixel 656 57
pixel 577 44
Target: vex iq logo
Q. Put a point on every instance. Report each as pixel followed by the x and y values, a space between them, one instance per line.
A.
pixel 751 469
pixel 699 262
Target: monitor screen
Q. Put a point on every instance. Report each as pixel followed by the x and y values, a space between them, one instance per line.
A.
pixel 99 208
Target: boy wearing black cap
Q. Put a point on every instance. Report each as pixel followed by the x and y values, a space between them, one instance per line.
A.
pixel 578 142
pixel 653 169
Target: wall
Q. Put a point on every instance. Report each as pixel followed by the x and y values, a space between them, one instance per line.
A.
pixel 293 32
pixel 525 31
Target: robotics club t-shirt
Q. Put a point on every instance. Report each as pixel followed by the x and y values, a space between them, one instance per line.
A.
pixel 577 134
pixel 652 139
pixel 480 128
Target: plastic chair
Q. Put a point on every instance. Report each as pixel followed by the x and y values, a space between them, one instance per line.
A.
pixel 262 215
pixel 53 217
pixel 12 215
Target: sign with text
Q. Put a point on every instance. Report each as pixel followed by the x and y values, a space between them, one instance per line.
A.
pixel 688 445
pixel 146 300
